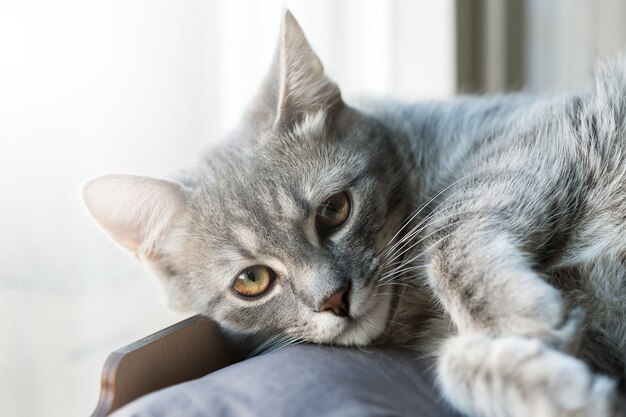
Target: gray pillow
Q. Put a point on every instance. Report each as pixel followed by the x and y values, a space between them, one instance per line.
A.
pixel 305 380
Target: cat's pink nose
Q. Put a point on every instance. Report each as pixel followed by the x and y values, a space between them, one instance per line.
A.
pixel 338 303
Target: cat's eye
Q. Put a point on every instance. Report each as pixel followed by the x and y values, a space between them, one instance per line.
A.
pixel 332 213
pixel 254 281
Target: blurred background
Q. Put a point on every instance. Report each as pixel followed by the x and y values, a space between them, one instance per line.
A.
pixel 142 86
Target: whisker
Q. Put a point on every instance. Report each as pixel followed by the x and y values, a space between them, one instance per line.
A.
pixel 398 274
pixel 433 232
pixel 418 211
pixel 416 230
pixel 275 343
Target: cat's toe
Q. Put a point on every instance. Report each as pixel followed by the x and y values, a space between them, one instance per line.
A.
pixel 568 336
pixel 571 389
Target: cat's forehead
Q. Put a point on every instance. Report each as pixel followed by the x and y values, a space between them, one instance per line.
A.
pixel 303 162
pixel 265 188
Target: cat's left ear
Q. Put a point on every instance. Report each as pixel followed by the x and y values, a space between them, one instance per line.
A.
pixel 296 84
pixel 303 87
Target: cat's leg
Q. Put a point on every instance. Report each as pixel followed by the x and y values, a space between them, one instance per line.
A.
pixel 486 284
pixel 508 359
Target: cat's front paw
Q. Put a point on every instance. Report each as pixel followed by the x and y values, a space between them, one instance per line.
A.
pixel 574 390
pixel 518 377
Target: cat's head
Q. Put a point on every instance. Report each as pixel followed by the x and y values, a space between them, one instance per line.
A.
pixel 280 229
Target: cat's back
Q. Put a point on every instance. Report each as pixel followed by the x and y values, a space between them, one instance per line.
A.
pixel 587 136
pixel 594 128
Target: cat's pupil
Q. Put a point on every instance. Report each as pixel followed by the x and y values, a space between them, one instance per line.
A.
pixel 253 281
pixel 330 211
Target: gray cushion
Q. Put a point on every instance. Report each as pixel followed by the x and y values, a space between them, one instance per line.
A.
pixel 305 380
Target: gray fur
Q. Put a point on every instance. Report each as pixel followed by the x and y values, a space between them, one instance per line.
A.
pixel 488 231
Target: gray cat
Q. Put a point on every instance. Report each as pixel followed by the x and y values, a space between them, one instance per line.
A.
pixel 490 232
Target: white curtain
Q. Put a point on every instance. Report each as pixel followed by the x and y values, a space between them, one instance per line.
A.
pixel 566 38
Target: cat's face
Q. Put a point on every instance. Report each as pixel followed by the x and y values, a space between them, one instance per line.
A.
pixel 283 223
pixel 281 229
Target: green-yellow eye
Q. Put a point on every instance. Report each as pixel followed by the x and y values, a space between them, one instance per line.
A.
pixel 332 213
pixel 253 281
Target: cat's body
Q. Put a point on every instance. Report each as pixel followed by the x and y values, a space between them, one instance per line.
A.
pixel 487 231
pixel 554 165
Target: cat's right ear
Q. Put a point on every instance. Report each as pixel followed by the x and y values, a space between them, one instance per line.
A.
pixel 136 211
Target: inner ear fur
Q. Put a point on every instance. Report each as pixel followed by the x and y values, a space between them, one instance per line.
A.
pixel 136 211
pixel 296 84
pixel 304 86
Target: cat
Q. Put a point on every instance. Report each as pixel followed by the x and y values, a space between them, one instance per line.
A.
pixel 487 231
